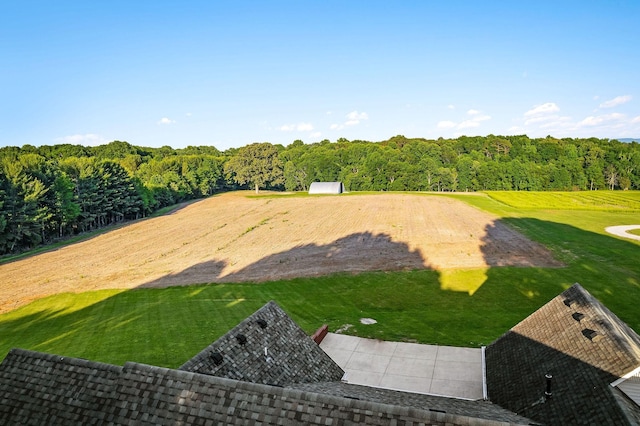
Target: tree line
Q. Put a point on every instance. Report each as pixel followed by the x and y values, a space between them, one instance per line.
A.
pixel 53 192
pixel 465 164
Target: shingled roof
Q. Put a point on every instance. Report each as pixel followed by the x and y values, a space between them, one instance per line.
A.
pixel 268 347
pixel 37 388
pixel 583 346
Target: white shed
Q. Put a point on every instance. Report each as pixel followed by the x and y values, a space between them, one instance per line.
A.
pixel 326 188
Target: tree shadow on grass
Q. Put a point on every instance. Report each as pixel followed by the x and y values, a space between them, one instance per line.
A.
pixel 604 265
pixel 166 326
pixel 359 252
pixel 143 326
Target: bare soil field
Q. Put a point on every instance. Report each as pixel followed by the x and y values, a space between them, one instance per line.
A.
pixel 233 238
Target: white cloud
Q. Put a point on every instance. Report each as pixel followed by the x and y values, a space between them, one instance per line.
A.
pixel 557 122
pixel 545 118
pixel 542 119
pixel 353 118
pixel 165 120
pixel 477 117
pixel 300 127
pixel 601 119
pixel 88 139
pixel 446 124
pixel 618 100
pixel 315 134
pixel 547 108
pixel 304 127
pixel 355 115
pixel 450 106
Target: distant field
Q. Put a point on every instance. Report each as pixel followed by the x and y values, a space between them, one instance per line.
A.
pixel 464 306
pixel 584 200
pixel 235 238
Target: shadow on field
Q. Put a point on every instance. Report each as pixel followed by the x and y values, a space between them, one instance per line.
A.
pixel 359 252
pixel 605 265
pixel 166 326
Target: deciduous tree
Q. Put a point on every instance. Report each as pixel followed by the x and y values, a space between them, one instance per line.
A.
pixel 257 165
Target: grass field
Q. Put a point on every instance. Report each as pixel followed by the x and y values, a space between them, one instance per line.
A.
pixel 589 200
pixel 469 307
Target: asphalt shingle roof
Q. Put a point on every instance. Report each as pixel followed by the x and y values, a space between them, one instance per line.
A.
pixel 437 404
pixel 582 345
pixel 236 381
pixel 232 381
pixel 37 389
pixel 267 347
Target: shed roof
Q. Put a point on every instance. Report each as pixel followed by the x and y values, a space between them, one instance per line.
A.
pixel 326 188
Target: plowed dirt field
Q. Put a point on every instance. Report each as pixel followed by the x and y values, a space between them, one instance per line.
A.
pixel 233 238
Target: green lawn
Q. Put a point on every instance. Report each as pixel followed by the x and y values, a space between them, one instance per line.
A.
pixel 587 200
pixel 166 327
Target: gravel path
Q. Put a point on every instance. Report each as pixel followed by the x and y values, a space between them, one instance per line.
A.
pixel 621 231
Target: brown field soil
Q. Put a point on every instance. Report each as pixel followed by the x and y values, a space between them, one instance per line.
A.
pixel 233 238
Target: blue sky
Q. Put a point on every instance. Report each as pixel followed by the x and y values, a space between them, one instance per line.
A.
pixel 229 73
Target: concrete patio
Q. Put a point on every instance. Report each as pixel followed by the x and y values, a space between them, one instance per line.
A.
pixel 436 370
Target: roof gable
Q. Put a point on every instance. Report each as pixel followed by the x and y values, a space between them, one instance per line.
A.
pixel 585 348
pixel 268 347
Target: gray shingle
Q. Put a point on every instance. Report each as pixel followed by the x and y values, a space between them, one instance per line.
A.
pixel 273 350
pixel 196 398
pixel 553 341
pixel 460 407
pixel 38 388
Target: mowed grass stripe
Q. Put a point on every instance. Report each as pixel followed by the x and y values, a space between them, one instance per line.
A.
pixel 588 200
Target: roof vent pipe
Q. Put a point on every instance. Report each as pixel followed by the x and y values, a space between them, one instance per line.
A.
pixel 547 393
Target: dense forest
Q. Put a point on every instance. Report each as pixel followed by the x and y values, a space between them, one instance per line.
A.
pixel 53 192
